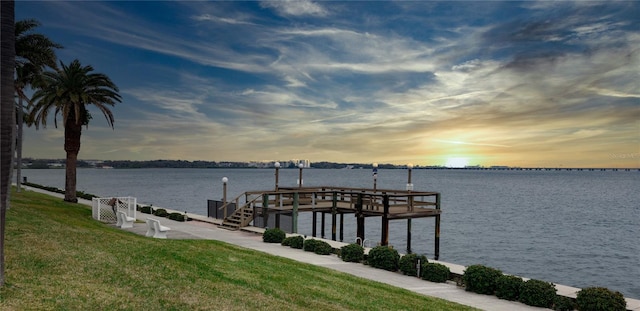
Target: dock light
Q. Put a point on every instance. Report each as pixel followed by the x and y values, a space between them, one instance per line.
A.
pixel 224 196
pixel 410 202
pixel 375 176
pixel 301 165
pixel 277 166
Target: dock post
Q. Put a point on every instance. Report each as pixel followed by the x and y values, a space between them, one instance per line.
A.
pixel 341 227
pixel 265 205
pixel 359 218
pixel 322 225
pixel 334 207
pixel 384 240
pixel 437 233
pixel 409 236
pixel 314 225
pixel 294 214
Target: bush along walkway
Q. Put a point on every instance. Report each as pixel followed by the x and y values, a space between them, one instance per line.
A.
pixel 477 279
pixel 353 259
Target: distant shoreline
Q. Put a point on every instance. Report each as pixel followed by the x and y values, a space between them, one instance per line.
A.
pixel 29 163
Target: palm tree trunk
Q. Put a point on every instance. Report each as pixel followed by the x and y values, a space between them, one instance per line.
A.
pixel 72 132
pixel 7 114
pixel 19 143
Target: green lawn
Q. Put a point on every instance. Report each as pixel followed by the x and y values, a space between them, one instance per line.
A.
pixel 59 258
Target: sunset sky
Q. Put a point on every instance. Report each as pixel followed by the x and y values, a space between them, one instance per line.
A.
pixel 519 83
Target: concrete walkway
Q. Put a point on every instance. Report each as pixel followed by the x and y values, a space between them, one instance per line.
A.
pixel 248 239
pixel 203 227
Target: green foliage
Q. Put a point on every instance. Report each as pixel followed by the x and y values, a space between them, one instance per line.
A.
pixel 408 264
pixel 508 287
pixel 80 194
pixel 295 241
pixel 310 245
pixel 273 235
pixel 537 293
pixel 323 248
pixel 50 240
pixel 435 272
pixel 177 217
pixel 562 303
pixel 600 299
pixel 286 241
pixel 384 257
pixel 481 279
pixel 86 196
pixel 352 253
pixel 146 209
pixel 161 212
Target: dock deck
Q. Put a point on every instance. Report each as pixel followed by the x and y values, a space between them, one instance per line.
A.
pixel 256 207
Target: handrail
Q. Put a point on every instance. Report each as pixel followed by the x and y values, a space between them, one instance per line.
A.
pixel 345 190
pixel 237 199
pixel 373 199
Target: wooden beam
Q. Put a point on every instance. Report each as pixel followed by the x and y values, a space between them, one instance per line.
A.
pixel 333 216
pixel 294 215
pixel 265 205
pixel 314 224
pixel 384 239
pixel 359 219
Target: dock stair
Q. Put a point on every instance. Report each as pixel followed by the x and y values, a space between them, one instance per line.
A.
pixel 240 218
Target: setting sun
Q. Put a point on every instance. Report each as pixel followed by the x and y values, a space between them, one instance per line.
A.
pixel 457 162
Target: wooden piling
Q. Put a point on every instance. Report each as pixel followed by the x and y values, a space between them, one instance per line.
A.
pixel 294 215
pixel 384 240
pixel 334 207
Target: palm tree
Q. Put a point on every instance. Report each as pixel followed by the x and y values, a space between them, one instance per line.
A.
pixel 34 52
pixel 7 114
pixel 69 91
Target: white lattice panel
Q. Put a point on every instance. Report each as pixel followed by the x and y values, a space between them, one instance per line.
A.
pixel 105 209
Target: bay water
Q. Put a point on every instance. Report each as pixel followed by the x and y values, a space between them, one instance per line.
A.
pixel 576 228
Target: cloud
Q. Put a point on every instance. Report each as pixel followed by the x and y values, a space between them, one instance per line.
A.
pixel 408 85
pixel 221 20
pixel 296 8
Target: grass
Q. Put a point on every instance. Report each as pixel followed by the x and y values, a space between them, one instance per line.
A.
pixel 59 258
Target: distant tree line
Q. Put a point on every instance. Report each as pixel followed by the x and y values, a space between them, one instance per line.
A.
pixel 160 164
pixel 120 164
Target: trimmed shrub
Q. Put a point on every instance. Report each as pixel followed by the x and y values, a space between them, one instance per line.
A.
pixel 435 272
pixel 273 235
pixel 562 303
pixel 286 241
pixel 310 245
pixel 600 299
pixel 176 217
pixel 161 212
pixel 384 257
pixel 323 248
pixel 508 287
pixel 79 194
pixel 352 253
pixel 146 209
pixel 481 279
pixel 297 241
pixel 86 196
pixel 537 293
pixel 408 264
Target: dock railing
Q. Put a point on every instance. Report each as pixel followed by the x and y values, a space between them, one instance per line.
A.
pixel 362 203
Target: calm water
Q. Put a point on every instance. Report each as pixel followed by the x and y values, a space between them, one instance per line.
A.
pixel 577 228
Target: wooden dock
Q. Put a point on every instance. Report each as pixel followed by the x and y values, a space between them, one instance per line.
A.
pixel 337 202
